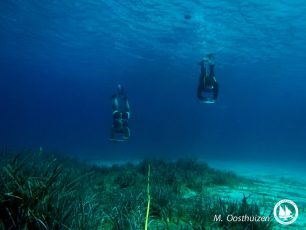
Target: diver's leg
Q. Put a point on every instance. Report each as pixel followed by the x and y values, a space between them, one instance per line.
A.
pixel 201 84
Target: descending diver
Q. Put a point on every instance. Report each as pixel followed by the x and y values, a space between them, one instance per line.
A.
pixel 120 116
pixel 207 83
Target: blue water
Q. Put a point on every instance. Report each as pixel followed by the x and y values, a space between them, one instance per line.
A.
pixel 60 62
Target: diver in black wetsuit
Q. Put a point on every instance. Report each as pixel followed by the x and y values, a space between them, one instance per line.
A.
pixel 207 83
pixel 120 116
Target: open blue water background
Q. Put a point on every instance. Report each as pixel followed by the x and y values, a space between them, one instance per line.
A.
pixel 60 62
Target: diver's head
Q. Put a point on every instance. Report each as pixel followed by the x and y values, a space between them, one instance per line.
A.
pixel 120 89
pixel 210 55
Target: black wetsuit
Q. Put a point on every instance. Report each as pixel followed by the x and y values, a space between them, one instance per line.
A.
pixel 120 119
pixel 207 83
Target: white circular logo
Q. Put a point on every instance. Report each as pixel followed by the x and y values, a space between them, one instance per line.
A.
pixel 286 212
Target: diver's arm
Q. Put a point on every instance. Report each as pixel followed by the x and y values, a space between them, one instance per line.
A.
pixel 126 105
pixel 115 102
